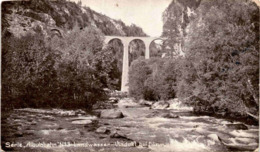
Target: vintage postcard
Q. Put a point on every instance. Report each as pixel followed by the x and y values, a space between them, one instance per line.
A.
pixel 130 75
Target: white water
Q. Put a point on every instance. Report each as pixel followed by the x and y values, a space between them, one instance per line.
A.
pixel 243 133
pixel 184 146
pixel 177 105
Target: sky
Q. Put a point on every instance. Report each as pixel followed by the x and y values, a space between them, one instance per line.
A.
pixel 146 14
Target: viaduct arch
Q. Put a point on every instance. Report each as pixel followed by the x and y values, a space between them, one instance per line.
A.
pixel 126 42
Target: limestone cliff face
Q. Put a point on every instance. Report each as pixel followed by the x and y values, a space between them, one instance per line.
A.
pixel 19 18
pixel 176 18
pixel 178 14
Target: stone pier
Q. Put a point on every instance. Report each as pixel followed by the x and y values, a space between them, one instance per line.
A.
pixel 126 41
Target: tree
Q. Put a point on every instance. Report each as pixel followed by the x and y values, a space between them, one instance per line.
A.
pixel 138 73
pixel 153 79
pixel 222 49
pixel 136 50
pixel 109 63
pixel 78 77
pixel 28 74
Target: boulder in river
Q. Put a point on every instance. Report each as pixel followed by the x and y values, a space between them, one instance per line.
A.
pixel 29 132
pixel 111 114
pixel 238 147
pixel 103 130
pixel 112 100
pixel 48 117
pixel 81 122
pixel 160 105
pixel 153 114
pixel 237 126
pixel 145 102
pixel 80 112
pixel 83 118
pixel 213 137
pixel 118 135
pixel 170 115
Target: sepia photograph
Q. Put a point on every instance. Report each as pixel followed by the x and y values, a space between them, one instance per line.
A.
pixel 130 75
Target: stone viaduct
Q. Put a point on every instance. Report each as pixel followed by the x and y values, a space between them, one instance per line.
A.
pixel 126 41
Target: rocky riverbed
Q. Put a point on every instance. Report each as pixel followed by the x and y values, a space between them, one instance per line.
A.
pixel 128 126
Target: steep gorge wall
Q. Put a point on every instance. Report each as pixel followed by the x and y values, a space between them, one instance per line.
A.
pixel 19 18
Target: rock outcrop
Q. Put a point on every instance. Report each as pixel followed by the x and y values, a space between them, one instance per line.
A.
pixel 20 18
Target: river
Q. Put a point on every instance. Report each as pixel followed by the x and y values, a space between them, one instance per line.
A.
pixel 141 129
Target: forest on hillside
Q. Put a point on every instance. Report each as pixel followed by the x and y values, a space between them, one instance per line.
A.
pixel 220 70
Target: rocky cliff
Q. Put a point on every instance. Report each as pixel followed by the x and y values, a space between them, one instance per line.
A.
pixel 56 17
